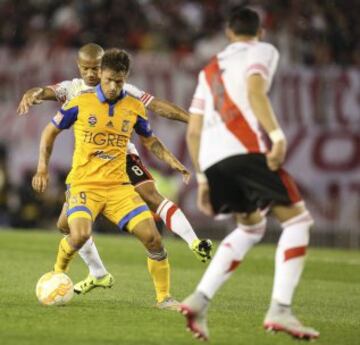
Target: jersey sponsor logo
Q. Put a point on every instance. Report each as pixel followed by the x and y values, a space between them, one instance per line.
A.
pixel 92 120
pixel 104 156
pixel 105 139
pixel 110 124
pixel 125 126
pixel 58 117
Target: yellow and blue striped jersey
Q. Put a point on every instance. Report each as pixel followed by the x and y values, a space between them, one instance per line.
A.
pixel 102 130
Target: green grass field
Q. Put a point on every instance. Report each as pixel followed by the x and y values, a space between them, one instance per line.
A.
pixel 328 298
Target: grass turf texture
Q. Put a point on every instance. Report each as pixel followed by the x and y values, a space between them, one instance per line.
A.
pixel 328 298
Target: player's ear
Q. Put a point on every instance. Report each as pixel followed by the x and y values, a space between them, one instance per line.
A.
pixel 261 34
pixel 228 33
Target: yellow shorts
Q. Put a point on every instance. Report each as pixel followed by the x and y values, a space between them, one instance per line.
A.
pixel 120 204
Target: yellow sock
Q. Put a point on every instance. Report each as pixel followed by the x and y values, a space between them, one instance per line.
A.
pixel 160 273
pixel 64 256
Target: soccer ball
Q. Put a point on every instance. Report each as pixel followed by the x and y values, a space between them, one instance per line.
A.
pixel 54 289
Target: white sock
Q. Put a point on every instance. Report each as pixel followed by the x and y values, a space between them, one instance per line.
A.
pixel 176 221
pixel 290 257
pixel 230 253
pixel 91 257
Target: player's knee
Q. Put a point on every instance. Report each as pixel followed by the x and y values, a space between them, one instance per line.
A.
pixel 152 198
pixel 80 232
pixel 79 239
pixel 153 242
pixel 62 227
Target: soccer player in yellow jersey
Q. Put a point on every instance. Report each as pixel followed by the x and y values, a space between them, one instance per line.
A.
pixel 88 61
pixel 103 122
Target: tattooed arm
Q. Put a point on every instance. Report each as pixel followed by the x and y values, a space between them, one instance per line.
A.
pixel 168 110
pixel 41 178
pixel 154 145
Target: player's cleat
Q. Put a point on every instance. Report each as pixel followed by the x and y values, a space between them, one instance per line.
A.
pixel 90 282
pixel 169 303
pixel 279 319
pixel 202 249
pixel 194 308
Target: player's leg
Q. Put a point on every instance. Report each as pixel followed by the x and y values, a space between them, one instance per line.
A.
pixel 126 208
pixel 80 231
pixel 157 262
pixel 172 216
pixel 82 207
pixel 62 222
pixel 296 222
pixel 279 188
pixel 98 275
pixel 230 253
pixel 226 193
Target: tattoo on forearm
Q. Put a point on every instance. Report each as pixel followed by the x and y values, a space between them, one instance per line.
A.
pixel 161 152
pixel 171 113
pixel 158 149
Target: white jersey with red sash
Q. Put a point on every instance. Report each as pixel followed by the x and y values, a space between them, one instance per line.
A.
pixel 230 126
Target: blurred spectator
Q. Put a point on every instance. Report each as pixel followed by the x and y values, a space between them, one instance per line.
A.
pixel 310 32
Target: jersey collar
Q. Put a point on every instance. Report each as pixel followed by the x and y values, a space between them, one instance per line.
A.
pixel 100 95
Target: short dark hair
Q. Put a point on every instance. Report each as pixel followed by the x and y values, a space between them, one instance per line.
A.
pixel 116 59
pixel 243 21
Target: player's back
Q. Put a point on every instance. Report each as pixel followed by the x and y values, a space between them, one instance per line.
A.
pixel 230 126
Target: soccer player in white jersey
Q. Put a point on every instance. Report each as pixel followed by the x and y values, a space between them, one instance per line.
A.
pixel 237 173
pixel 89 59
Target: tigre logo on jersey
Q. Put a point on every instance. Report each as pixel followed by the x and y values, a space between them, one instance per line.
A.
pixel 104 138
pixel 92 120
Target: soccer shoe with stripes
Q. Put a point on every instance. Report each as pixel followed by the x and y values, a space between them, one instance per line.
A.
pixel 202 249
pixel 285 321
pixel 168 303
pixel 194 308
pixel 90 282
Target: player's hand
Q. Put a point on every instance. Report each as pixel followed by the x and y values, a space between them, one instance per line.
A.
pixel 275 158
pixel 30 98
pixel 203 199
pixel 40 181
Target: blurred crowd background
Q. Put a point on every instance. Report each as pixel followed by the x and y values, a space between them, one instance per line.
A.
pixel 314 34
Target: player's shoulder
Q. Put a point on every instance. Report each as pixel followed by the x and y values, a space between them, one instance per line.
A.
pixel 82 98
pixel 263 48
pixel 136 105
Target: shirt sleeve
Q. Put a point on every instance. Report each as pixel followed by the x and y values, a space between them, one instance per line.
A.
pixel 141 95
pixel 66 116
pixel 262 59
pixel 198 102
pixel 142 127
pixel 62 90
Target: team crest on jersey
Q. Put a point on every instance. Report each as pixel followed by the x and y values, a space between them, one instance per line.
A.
pixel 125 126
pixel 92 120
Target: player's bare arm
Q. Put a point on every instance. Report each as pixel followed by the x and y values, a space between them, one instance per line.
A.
pixel 41 178
pixel 260 103
pixel 35 96
pixel 193 136
pixel 154 145
pixel 168 110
